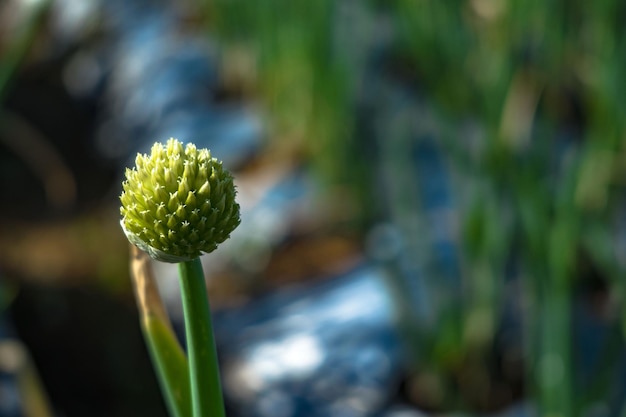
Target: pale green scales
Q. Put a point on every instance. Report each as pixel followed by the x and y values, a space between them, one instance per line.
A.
pixel 178 202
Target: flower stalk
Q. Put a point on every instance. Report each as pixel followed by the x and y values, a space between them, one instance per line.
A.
pixel 177 204
pixel 206 392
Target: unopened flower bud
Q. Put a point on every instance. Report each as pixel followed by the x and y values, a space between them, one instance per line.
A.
pixel 178 202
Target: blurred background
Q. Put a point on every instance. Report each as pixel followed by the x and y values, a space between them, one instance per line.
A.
pixel 433 202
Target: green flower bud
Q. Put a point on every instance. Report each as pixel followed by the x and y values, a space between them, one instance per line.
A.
pixel 178 202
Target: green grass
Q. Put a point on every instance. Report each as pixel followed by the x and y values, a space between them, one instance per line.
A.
pixel 18 43
pixel 526 72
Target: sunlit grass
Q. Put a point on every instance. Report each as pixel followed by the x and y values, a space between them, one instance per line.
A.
pixel 543 83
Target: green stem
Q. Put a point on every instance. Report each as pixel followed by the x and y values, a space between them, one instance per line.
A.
pixel 167 355
pixel 206 390
pixel 171 366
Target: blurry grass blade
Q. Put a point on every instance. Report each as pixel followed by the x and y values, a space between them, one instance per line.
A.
pixel 167 354
pixel 14 359
pixel 44 160
pixel 16 48
pixel 8 292
pixel 519 110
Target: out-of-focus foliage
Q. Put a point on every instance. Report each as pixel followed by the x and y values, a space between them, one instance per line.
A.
pixel 20 23
pixel 288 53
pixel 477 146
pixel 525 101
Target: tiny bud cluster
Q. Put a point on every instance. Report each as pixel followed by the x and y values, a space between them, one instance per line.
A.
pixel 178 202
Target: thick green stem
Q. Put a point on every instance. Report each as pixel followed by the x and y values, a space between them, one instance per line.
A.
pixel 206 390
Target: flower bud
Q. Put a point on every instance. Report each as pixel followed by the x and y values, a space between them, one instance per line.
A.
pixel 178 202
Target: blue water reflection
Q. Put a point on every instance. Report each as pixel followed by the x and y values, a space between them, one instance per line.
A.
pixel 160 81
pixel 326 350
